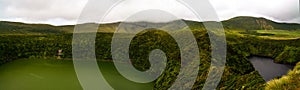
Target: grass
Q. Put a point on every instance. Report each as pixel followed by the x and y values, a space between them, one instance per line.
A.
pixel 269 34
pixel 280 34
pixel 37 74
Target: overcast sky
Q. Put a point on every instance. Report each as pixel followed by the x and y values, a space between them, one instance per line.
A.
pixel 65 12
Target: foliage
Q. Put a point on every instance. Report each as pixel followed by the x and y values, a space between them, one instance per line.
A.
pixel 278 49
pixel 33 46
pixel 290 55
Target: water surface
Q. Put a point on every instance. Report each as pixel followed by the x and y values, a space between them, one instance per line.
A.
pixel 268 69
pixel 28 74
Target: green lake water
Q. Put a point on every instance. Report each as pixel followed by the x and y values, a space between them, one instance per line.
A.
pixel 30 74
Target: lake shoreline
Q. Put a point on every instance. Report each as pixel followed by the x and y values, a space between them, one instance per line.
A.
pixel 269 69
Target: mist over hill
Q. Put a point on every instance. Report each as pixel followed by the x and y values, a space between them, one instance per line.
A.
pixel 237 23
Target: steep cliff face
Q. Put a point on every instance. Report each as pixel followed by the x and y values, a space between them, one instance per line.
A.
pixel 264 25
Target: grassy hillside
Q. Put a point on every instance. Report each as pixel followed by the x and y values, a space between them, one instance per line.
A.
pixel 16 28
pixel 253 23
pixel 22 28
pixel 237 23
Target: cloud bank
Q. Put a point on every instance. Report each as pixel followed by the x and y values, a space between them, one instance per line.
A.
pixel 62 12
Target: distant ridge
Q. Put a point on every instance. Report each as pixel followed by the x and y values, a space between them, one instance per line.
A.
pixel 23 28
pixel 255 23
pixel 242 22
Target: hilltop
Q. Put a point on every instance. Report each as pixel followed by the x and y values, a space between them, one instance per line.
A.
pixel 254 23
pixel 237 23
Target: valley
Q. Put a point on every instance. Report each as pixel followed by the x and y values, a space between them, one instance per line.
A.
pixel 29 50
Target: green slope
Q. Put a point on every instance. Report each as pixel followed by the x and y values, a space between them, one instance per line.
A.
pixel 237 23
pixel 253 23
pixel 22 28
